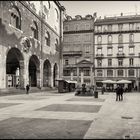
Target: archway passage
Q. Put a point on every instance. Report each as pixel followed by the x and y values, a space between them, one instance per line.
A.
pixel 55 74
pixel 14 68
pixel 47 74
pixel 33 71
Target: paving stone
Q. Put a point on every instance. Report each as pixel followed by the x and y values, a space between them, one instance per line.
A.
pixel 28 128
pixel 72 108
pixel 2 105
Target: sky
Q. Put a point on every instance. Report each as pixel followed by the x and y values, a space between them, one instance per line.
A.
pixel 103 8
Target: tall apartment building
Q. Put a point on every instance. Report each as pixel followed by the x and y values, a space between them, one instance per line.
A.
pixel 78 49
pixel 30 43
pixel 117 49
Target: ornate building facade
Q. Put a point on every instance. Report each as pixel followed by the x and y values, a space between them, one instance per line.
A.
pixel 31 34
pixel 117 49
pixel 78 49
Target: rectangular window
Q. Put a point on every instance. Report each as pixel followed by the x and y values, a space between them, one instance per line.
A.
pixel 131 26
pixel 120 72
pixel 120 27
pixel 87 37
pixel 99 28
pixel 66 28
pixel 131 61
pixel 87 49
pixel 131 50
pixel 86 72
pixel 131 72
pixel 110 28
pixel 109 51
pixel 109 62
pixel 66 72
pixel 87 26
pixel 99 51
pixel 66 61
pixel 120 50
pixel 99 62
pixel 109 73
pixel 120 62
pixel 99 73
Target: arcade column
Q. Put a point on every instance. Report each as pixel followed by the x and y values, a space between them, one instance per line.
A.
pixel 21 74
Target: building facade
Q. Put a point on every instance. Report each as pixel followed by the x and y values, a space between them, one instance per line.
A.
pixel 30 43
pixel 117 49
pixel 78 49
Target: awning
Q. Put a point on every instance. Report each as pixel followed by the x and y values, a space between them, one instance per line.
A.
pixel 109 82
pixel 69 81
pixel 123 82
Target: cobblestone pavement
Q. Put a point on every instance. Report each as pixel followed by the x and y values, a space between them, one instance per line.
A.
pixel 65 116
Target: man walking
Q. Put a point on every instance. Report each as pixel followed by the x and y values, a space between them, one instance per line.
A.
pixel 27 89
pixel 118 93
pixel 121 92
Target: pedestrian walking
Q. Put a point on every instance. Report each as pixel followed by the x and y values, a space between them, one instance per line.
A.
pixel 27 89
pixel 121 92
pixel 103 90
pixel 118 93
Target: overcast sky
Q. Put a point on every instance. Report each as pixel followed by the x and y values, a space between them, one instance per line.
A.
pixel 101 7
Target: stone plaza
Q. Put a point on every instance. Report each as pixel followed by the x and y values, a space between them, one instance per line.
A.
pixel 49 115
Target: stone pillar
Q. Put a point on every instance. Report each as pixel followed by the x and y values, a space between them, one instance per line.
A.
pixel 38 77
pixel 2 69
pixel 82 77
pixel 41 73
pixel 21 74
pixel 51 78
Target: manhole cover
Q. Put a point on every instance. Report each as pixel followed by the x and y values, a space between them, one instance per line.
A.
pixel 126 117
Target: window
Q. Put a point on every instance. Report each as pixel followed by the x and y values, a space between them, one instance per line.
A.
pixel 120 72
pixel 15 19
pixel 47 38
pixel 86 72
pixel 109 73
pixel 120 50
pixel 120 39
pixel 87 37
pixel 109 51
pixel 76 27
pixel 120 62
pixel 109 39
pixel 66 61
pixel 66 72
pixel 99 40
pixel 87 49
pixel 99 62
pixel 34 29
pixel 99 51
pixel 99 73
pixel 131 61
pixel 131 38
pixel 131 72
pixel 109 62
pixel 66 28
pixel 120 27
pixel 131 50
pixel 87 26
pixel 99 28
pixel 110 28
pixel 131 26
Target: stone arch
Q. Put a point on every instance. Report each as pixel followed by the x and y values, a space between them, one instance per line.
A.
pixel 34 71
pixel 14 68
pixel 47 73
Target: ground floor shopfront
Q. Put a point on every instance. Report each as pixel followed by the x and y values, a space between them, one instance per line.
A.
pixel 17 69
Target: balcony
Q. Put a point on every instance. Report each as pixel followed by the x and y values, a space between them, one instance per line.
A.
pixel 99 55
pixel 120 55
pixel 72 53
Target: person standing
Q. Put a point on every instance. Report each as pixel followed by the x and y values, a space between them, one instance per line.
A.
pixel 27 89
pixel 121 92
pixel 118 93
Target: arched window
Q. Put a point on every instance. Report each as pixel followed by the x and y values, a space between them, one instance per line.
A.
pixel 56 15
pixel 47 38
pixel 15 18
pixel 120 38
pixel 109 39
pixel 34 29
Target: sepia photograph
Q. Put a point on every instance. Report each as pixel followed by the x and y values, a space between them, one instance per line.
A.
pixel 69 69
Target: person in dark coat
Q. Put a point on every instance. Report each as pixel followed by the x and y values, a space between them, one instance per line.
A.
pixel 27 89
pixel 121 92
pixel 118 93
